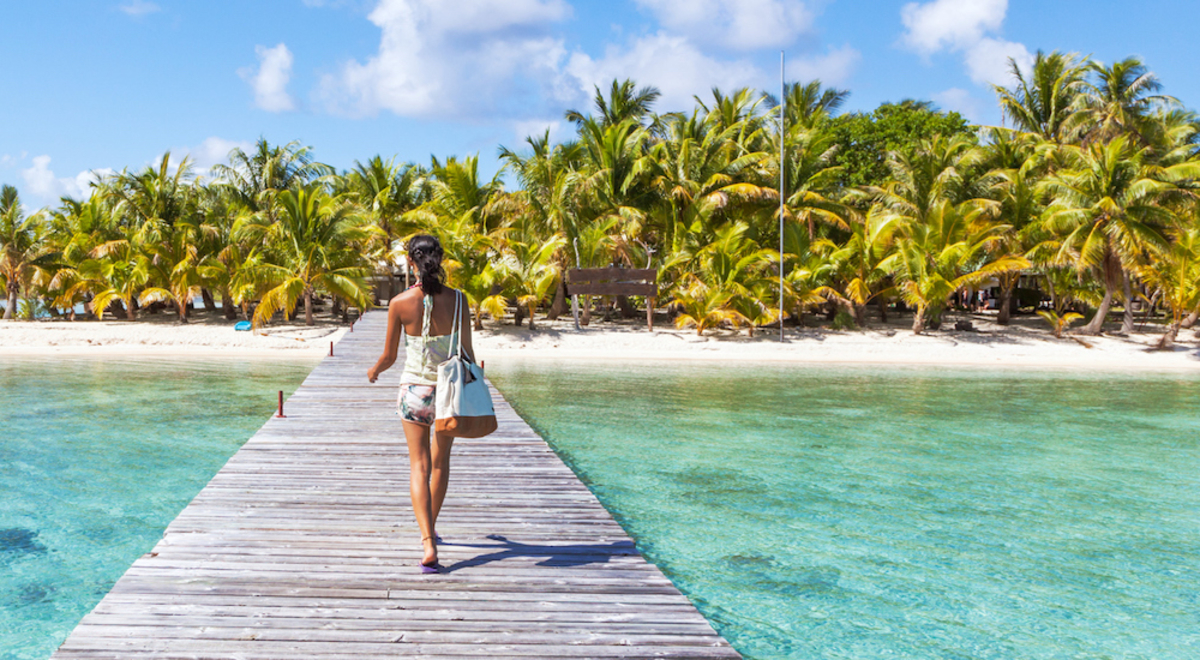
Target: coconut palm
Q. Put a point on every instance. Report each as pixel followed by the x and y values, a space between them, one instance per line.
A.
pixel 1044 102
pixel 1108 210
pixel 703 306
pixel 1016 168
pixel 700 176
pixel 314 244
pixel 1121 100
pixel 624 103
pixel 531 272
pixel 256 177
pixel 22 247
pixel 857 262
pixel 1175 273
pixel 950 250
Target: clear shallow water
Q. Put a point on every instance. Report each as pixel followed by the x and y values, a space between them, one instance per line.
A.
pixel 97 457
pixel 897 513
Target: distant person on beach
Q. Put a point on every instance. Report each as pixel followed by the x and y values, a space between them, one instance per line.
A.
pixel 425 313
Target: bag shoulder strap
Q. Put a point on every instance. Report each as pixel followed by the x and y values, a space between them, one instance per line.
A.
pixel 457 318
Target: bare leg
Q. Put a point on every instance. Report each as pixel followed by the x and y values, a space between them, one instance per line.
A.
pixel 419 461
pixel 440 476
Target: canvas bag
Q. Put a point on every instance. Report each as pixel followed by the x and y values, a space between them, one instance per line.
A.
pixel 464 403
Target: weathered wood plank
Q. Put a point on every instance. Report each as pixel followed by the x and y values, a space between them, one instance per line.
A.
pixel 305 545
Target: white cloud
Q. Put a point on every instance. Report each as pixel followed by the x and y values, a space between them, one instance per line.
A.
pixel 536 128
pixel 271 80
pixel 138 8
pixel 671 63
pixel 212 151
pixel 961 101
pixel 440 57
pixel 987 61
pixel 736 24
pixel 43 184
pixel 964 27
pixel 953 24
pixel 833 68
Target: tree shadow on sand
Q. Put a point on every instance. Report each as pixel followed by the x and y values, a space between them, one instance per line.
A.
pixel 563 556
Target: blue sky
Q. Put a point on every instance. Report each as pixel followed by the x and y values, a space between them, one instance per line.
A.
pixel 107 85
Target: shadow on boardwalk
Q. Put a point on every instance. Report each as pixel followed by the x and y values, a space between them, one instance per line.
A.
pixel 554 555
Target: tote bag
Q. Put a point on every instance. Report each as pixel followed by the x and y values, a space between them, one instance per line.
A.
pixel 464 403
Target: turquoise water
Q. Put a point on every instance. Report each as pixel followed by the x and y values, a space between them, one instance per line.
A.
pixel 897 513
pixel 98 456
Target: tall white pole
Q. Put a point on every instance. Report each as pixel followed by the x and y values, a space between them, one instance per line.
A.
pixel 782 137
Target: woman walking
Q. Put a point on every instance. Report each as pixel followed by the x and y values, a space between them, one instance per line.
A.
pixel 426 314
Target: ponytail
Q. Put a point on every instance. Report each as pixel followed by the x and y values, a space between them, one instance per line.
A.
pixel 425 253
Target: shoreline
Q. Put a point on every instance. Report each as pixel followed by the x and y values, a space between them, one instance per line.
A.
pixel 1025 344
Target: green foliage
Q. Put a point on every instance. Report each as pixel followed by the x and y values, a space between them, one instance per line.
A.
pixel 865 140
pixel 1092 190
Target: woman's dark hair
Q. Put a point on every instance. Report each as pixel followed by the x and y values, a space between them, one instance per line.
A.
pixel 425 253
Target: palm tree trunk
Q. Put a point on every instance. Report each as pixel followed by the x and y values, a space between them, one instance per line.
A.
pixel 1097 323
pixel 627 310
pixel 182 307
pixel 130 311
pixel 918 321
pixel 210 305
pixel 559 306
pixel 11 306
pixel 1168 338
pixel 227 304
pixel 478 319
pixel 532 312
pixel 1127 315
pixel 860 316
pixel 882 310
pixel 335 307
pixel 308 311
pixel 1007 284
pixel 1191 319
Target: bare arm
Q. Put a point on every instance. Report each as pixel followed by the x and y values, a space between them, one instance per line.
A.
pixel 391 345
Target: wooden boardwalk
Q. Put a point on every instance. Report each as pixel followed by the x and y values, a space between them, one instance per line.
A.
pixel 304 546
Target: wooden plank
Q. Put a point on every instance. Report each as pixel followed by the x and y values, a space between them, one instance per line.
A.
pixel 304 545
pixel 612 274
pixel 612 289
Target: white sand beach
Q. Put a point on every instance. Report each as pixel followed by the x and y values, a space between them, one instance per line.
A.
pixel 1025 343
pixel 162 335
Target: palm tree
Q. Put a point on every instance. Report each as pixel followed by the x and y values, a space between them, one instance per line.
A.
pixel 704 306
pixel 1015 171
pixel 532 273
pixel 22 247
pixel 811 178
pixel 1175 273
pixel 1107 210
pixel 624 103
pixel 121 276
pixel 257 177
pixel 1044 102
pixel 808 105
pixel 1121 100
pixel 858 260
pixel 314 243
pixel 950 250
pixel 387 192
pixel 699 174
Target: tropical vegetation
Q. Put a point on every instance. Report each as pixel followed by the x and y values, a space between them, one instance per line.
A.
pixel 1083 202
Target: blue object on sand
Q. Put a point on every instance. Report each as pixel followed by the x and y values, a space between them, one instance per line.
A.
pixel 242 325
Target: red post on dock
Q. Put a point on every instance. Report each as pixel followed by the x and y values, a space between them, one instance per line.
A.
pixel 280 415
pixel 330 349
pixel 351 326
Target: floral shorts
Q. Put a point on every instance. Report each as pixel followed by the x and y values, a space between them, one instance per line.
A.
pixel 417 403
